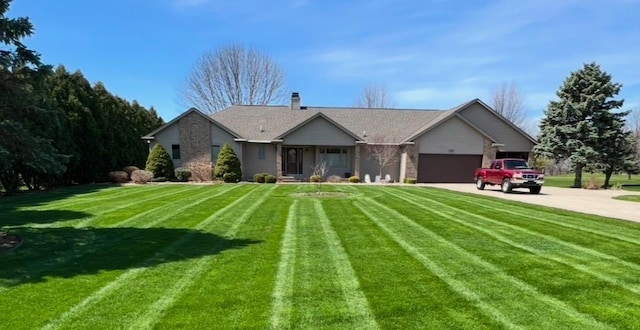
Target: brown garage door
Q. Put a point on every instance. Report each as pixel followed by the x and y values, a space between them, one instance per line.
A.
pixel 447 168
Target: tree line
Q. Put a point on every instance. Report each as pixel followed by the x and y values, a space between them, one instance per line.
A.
pixel 55 127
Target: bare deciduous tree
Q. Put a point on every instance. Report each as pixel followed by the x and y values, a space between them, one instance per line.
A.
pixel 383 152
pixel 374 96
pixel 319 170
pixel 509 102
pixel 233 75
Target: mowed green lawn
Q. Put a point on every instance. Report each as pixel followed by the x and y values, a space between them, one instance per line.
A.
pixel 566 180
pixel 256 256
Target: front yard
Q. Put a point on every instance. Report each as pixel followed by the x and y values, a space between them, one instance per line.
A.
pixel 248 255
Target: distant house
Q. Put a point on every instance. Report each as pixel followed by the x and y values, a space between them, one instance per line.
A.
pixel 433 145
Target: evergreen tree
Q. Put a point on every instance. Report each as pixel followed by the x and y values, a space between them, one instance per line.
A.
pixel 574 127
pixel 27 127
pixel 228 165
pixel 616 146
pixel 160 163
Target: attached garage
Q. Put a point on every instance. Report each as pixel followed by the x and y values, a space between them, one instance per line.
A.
pixel 433 168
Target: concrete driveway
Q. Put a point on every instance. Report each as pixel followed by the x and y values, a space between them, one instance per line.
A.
pixel 598 202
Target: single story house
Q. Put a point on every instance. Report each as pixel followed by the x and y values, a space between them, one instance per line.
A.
pixel 288 140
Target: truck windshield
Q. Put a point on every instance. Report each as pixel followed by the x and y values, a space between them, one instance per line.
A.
pixel 516 164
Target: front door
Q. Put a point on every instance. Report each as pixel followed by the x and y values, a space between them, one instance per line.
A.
pixel 292 160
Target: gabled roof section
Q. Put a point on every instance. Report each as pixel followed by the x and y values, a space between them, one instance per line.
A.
pixel 313 117
pixel 446 115
pixel 151 135
pixel 269 123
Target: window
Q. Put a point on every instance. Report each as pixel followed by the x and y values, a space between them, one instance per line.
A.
pixel 261 153
pixel 175 151
pixel 335 157
pixel 215 150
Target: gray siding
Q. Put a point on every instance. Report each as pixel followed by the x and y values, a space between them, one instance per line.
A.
pixel 220 137
pixel 319 132
pixel 168 136
pixel 370 166
pixel 252 163
pixel 497 128
pixel 452 137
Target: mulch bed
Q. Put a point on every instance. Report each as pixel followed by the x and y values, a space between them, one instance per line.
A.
pixel 9 242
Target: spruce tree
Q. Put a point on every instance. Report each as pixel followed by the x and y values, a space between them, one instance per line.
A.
pixel 574 127
pixel 160 163
pixel 228 165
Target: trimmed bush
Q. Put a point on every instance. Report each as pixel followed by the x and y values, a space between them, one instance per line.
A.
pixel 159 179
pixel 129 170
pixel 354 179
pixel 141 176
pixel 182 174
pixel 260 177
pixel 334 179
pixel 118 176
pixel 159 162
pixel 270 178
pixel 228 165
pixel 200 172
pixel 315 178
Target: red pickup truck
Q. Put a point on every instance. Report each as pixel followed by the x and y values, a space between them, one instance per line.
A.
pixel 510 173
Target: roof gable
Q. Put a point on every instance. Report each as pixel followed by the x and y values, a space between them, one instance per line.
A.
pixel 446 115
pixel 316 116
pixel 151 135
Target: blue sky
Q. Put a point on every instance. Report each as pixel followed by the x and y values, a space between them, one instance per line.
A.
pixel 429 54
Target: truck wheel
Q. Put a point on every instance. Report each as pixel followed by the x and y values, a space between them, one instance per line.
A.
pixel 535 190
pixel 480 183
pixel 506 186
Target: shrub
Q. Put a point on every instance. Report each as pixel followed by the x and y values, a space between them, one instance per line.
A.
pixel 334 179
pixel 159 179
pixel 159 162
pixel 410 180
pixel 182 174
pixel 141 176
pixel 315 178
pixel 259 177
pixel 228 165
pixel 594 184
pixel 200 172
pixel 129 170
pixel 118 176
pixel 270 178
pixel 354 179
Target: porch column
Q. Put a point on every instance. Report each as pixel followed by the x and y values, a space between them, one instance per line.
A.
pixel 403 165
pixel 356 161
pixel 279 160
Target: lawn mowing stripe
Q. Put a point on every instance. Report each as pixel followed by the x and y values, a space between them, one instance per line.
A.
pixel 451 256
pixel 125 192
pixel 90 220
pixel 85 222
pixel 132 273
pixel 529 213
pixel 548 238
pixel 353 295
pixel 457 286
pixel 155 312
pixel 283 288
pixel 580 264
pixel 43 264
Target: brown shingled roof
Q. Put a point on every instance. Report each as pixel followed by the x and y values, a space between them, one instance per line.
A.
pixel 270 122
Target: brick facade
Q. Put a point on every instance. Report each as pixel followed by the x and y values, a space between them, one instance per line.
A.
pixel 488 153
pixel 412 161
pixel 195 140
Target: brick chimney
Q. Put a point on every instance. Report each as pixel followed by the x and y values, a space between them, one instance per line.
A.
pixel 295 101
